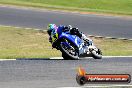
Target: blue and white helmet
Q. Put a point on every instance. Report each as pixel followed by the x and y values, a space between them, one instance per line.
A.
pixel 51 27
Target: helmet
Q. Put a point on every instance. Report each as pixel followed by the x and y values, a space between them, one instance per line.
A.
pixel 51 27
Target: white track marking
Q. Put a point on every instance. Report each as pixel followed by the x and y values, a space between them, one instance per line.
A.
pixel 115 56
pixel 56 58
pixel 60 58
pixel 91 57
pixel 7 59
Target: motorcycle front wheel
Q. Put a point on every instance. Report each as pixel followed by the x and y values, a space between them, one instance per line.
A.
pixel 97 54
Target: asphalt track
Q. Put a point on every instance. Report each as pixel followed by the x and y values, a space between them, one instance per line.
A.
pixel 61 73
pixel 119 27
pixel 58 73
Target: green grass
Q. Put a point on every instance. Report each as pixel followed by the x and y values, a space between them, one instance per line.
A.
pixel 21 43
pixel 105 6
pixel 114 47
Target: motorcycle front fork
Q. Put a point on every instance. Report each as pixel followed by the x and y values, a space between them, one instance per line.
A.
pixel 87 49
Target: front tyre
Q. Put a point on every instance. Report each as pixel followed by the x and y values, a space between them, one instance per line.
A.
pixel 66 57
pixel 97 54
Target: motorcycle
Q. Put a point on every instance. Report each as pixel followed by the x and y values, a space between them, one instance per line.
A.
pixel 73 47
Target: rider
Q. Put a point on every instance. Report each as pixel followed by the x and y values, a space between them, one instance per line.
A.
pixel 73 31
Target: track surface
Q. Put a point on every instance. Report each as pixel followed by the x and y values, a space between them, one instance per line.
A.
pixel 56 73
pixel 61 73
pixel 91 24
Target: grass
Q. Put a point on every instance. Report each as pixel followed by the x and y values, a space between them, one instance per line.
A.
pixel 101 6
pixel 22 43
pixel 19 43
pixel 114 47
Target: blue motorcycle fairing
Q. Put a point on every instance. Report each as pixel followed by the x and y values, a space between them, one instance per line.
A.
pixel 73 38
pixel 66 44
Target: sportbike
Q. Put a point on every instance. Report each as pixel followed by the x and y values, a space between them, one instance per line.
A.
pixel 73 47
